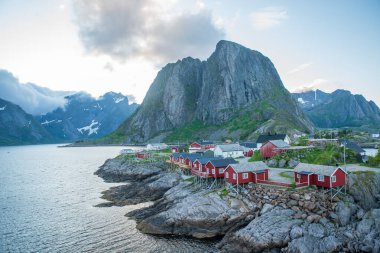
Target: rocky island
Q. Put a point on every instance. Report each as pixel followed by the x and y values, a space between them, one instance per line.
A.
pixel 259 219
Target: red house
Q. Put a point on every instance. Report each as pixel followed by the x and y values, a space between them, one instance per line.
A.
pixel 195 146
pixel 174 149
pixel 319 175
pixel 272 148
pixel 243 173
pixel 216 167
pixel 142 155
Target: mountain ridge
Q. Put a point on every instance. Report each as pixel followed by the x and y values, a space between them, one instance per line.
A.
pixel 234 79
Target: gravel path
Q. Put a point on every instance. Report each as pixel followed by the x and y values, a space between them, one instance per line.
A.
pixel 355 167
pixel 274 175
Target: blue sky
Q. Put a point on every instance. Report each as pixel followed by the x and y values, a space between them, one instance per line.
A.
pixel 120 45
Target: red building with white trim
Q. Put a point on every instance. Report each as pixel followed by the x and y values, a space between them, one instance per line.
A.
pixel 243 173
pixel 273 148
pixel 319 175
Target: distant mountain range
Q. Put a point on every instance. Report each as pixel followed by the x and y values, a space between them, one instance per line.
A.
pixel 84 117
pixel 77 116
pixel 17 127
pixel 237 93
pixel 339 109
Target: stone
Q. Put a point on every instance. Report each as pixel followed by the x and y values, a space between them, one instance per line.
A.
pixel 364 226
pixel 295 196
pixel 316 230
pixel 311 206
pixel 295 208
pixel 298 215
pixel 282 163
pixel 235 204
pixel 307 196
pixel 313 218
pixel 301 203
pixel 296 232
pixel 292 202
pixel 344 213
pixel 266 208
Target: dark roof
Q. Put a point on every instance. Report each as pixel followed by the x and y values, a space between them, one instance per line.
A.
pixel 223 162
pixel 249 144
pixel 193 157
pixel 353 146
pixel 205 160
pixel 206 142
pixel 265 138
pixel 176 155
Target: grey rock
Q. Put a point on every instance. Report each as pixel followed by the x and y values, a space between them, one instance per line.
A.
pixel 296 232
pixel 282 163
pixel 344 213
pixel 313 218
pixel 364 226
pixel 266 208
pixel 295 196
pixel 316 230
pixel 292 202
pixel 364 188
pixel 310 244
pixel 269 231
pixel 307 196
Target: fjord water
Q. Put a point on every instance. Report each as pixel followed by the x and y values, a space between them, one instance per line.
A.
pixel 47 199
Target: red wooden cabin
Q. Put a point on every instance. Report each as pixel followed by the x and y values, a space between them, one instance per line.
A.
pixel 142 155
pixel 272 148
pixel 174 149
pixel 243 173
pixel 320 175
pixel 216 167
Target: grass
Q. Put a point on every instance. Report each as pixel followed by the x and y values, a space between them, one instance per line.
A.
pixel 256 157
pixel 285 174
pixel 186 132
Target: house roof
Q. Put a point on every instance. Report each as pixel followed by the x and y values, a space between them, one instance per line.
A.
pixel 193 157
pixel 176 155
pixel 353 146
pixel 280 143
pixel 264 138
pixel 249 144
pixel 249 167
pixel 206 142
pixel 223 162
pixel 204 160
pixel 230 147
pixel 303 168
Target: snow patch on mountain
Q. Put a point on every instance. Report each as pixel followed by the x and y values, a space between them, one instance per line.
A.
pixel 300 100
pixel 92 128
pixel 47 122
pixel 118 100
pixel 3 108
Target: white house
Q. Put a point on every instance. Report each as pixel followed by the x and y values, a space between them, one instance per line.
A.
pixel 375 135
pixel 229 150
pixel 156 146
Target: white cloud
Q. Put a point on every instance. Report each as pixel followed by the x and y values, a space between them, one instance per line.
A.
pixel 315 84
pixel 268 17
pixel 145 29
pixel 33 99
pixel 300 68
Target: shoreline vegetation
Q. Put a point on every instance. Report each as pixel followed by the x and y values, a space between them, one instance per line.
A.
pixel 259 218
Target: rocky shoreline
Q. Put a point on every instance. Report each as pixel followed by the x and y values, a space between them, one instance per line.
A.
pixel 261 219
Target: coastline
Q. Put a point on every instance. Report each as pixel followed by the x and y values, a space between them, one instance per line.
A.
pixel 260 219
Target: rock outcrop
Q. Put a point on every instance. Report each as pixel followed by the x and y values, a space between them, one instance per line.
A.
pixel 234 82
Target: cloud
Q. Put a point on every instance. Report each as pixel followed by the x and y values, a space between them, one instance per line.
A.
pixel 108 66
pixel 315 84
pixel 131 99
pixel 268 17
pixel 300 68
pixel 33 99
pixel 147 29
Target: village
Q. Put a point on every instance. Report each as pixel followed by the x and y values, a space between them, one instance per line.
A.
pixel 240 166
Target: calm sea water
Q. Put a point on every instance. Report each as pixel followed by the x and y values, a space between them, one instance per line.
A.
pixel 47 199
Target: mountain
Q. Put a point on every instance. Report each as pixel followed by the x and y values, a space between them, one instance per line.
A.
pixel 236 93
pixel 84 117
pixel 17 127
pixel 338 109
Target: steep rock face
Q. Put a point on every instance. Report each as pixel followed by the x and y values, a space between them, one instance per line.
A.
pixel 85 117
pixel 339 109
pixel 18 127
pixel 233 80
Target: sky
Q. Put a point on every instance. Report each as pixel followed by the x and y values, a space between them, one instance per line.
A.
pixel 117 45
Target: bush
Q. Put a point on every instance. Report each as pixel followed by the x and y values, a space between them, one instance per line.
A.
pixel 256 157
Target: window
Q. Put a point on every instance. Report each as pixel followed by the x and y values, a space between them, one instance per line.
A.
pixel 321 178
pixel 221 171
pixel 227 175
pixel 200 166
pixel 245 175
pixel 333 179
pixel 213 171
pixel 234 176
pixel 298 176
